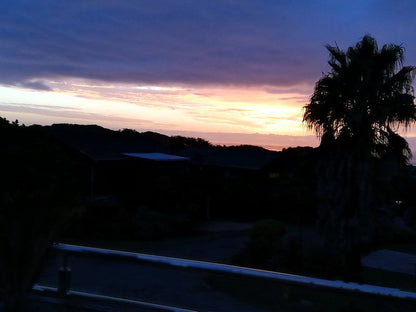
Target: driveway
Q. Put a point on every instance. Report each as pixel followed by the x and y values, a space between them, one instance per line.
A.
pixel 391 260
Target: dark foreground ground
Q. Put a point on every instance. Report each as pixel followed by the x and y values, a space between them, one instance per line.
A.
pixel 190 289
pixel 157 284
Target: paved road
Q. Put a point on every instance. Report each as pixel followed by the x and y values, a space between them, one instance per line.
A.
pixel 157 284
pixel 183 288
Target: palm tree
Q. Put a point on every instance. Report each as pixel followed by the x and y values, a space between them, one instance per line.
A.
pixel 364 98
pixel 357 109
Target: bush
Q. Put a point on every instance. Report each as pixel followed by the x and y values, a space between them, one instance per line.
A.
pixel 263 247
pixel 112 220
pixel 301 252
pixel 266 232
pixel 392 230
pixel 304 252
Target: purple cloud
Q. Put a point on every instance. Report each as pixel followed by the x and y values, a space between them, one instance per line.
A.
pixel 188 42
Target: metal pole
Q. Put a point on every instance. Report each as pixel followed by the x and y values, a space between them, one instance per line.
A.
pixel 64 283
pixel 92 180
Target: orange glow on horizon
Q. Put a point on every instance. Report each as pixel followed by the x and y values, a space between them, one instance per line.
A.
pixel 204 110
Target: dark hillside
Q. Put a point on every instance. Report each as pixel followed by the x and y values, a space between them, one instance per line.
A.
pixel 92 138
pixel 101 143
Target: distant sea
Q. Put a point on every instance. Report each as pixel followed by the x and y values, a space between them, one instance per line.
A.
pixel 276 148
pixel 273 142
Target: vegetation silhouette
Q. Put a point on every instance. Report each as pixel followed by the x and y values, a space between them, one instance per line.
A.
pixel 39 188
pixel 357 109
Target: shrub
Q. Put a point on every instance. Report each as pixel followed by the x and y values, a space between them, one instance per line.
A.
pixel 263 247
pixel 266 232
pixel 112 220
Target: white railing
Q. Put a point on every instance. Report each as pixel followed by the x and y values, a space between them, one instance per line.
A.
pixel 231 269
pixel 80 294
pixel 64 287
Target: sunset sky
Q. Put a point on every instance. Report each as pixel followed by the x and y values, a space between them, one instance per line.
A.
pixel 228 71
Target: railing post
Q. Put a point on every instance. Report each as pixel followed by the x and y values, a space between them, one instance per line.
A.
pixel 64 283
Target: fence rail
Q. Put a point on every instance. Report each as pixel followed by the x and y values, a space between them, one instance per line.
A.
pixel 80 294
pixel 242 271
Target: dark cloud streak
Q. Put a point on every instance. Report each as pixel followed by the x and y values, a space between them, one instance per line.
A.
pixel 180 42
pixel 59 111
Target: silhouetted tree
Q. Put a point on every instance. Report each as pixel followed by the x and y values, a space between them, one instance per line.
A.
pixel 38 190
pixel 356 109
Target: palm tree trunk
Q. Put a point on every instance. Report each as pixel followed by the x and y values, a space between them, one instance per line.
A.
pixel 345 201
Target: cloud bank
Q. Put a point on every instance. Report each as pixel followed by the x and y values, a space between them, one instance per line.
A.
pixel 274 43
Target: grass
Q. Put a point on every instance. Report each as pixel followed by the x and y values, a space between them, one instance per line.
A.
pixel 389 279
pixel 406 248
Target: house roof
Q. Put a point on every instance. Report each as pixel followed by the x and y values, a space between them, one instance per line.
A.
pixel 157 157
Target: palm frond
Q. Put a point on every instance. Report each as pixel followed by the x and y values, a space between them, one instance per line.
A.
pixel 367 93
